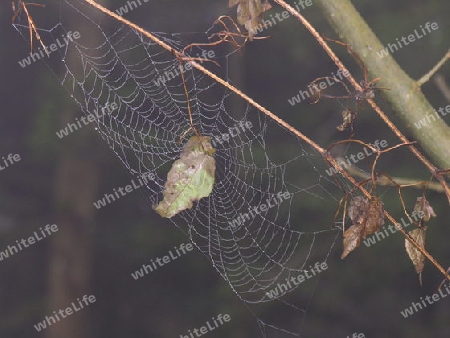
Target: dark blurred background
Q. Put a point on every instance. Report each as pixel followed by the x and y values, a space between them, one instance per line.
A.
pixel 95 251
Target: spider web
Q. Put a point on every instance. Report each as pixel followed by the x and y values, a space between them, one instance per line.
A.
pixel 112 63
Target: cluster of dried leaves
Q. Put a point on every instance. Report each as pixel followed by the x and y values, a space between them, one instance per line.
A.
pixel 367 217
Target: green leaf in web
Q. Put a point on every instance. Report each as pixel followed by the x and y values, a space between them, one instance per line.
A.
pixel 190 178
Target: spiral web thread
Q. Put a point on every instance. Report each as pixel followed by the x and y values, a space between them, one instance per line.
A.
pixel 112 63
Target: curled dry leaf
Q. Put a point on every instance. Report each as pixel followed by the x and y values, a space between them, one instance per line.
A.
pixel 367 217
pixel 249 13
pixel 424 209
pixel 190 178
pixel 352 239
pixel 357 209
pixel 375 216
pixel 414 254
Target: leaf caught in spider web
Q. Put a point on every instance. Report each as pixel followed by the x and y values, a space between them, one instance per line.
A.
pixel 190 178
pixel 414 254
pixel 367 218
pixel 249 13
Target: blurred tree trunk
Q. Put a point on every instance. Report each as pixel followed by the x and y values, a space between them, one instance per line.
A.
pixel 71 250
pixel 76 188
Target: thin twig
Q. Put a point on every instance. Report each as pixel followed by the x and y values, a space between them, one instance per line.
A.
pixel 32 26
pixel 428 75
pixel 383 180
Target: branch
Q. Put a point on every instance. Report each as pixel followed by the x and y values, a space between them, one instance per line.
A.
pixel 404 95
pixel 342 15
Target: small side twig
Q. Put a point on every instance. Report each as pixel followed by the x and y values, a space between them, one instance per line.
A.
pixel 428 75
pixel 384 181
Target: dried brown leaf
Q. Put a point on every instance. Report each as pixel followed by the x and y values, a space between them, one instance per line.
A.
pixel 352 239
pixel 358 207
pixel 249 13
pixel 375 216
pixel 414 254
pixel 424 209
